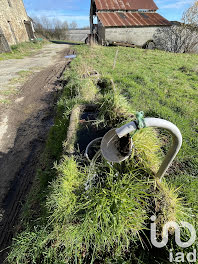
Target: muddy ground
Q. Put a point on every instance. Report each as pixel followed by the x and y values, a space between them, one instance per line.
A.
pixel 24 125
pixel 11 70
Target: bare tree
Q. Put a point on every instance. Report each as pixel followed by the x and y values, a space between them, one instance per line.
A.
pixel 180 37
pixel 73 25
pixel 86 27
pixel 177 38
pixel 60 29
pixel 190 16
pixel 51 28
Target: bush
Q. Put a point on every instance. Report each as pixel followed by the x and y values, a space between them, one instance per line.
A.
pixel 51 29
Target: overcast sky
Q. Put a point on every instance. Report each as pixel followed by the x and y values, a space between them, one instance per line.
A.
pixel 78 10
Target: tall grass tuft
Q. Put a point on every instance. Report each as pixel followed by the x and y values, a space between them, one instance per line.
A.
pixel 104 218
pixel 114 108
pixel 148 149
pixel 87 223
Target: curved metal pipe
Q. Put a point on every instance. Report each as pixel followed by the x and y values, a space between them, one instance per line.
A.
pixel 159 123
pixel 89 145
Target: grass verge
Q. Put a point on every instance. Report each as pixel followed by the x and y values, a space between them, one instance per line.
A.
pixel 22 50
pixel 99 213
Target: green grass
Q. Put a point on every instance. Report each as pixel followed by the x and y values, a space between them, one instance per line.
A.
pixel 22 50
pixel 22 77
pixel 161 84
pixel 8 92
pixel 4 101
pixel 64 222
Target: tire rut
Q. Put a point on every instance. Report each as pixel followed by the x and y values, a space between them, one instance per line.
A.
pixel 29 124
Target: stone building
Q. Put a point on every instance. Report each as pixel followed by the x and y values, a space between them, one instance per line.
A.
pixel 128 21
pixel 77 34
pixel 15 25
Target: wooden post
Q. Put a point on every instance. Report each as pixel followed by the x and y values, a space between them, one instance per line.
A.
pixel 91 17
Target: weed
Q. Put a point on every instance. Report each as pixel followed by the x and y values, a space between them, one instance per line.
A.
pixel 4 101
pixel 168 205
pixel 21 50
pixel 114 108
pixel 103 223
pixel 148 148
pixel 23 76
pixel 106 218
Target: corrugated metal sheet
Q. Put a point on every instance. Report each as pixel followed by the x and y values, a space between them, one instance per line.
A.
pixel 127 19
pixel 125 4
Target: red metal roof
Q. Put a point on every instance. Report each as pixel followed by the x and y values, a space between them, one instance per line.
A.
pixel 127 19
pixel 125 5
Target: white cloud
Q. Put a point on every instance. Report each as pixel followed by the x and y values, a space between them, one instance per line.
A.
pixel 61 15
pixel 177 5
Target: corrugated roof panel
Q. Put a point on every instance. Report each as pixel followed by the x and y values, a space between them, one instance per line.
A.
pixel 121 19
pixel 127 19
pixel 130 18
pixel 124 18
pixel 142 20
pixel 98 4
pixel 125 4
pixel 112 19
pixel 135 19
pixel 105 20
pixel 115 20
pixel 111 5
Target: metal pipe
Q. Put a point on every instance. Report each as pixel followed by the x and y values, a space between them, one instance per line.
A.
pixel 159 123
pixel 89 145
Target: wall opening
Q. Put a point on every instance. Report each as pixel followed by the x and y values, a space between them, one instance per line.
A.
pixel 9 3
pixel 29 30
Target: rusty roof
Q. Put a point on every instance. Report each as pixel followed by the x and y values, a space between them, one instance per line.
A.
pixel 125 5
pixel 127 19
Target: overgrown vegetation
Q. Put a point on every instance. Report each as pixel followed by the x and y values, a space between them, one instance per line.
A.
pixel 51 29
pixel 180 37
pixel 99 213
pixel 21 50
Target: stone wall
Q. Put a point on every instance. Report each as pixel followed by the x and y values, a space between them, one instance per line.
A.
pixel 78 34
pixel 195 50
pixel 4 46
pixel 12 16
pixel 101 33
pixel 135 35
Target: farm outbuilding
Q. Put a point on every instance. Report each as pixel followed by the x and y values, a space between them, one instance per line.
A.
pixel 15 25
pixel 127 21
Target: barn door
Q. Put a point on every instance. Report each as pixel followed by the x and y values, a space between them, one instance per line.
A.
pixel 29 30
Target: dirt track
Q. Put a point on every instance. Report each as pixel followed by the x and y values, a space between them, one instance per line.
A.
pixel 10 69
pixel 23 129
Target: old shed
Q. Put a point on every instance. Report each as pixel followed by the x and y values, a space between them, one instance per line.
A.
pixel 15 25
pixel 128 21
